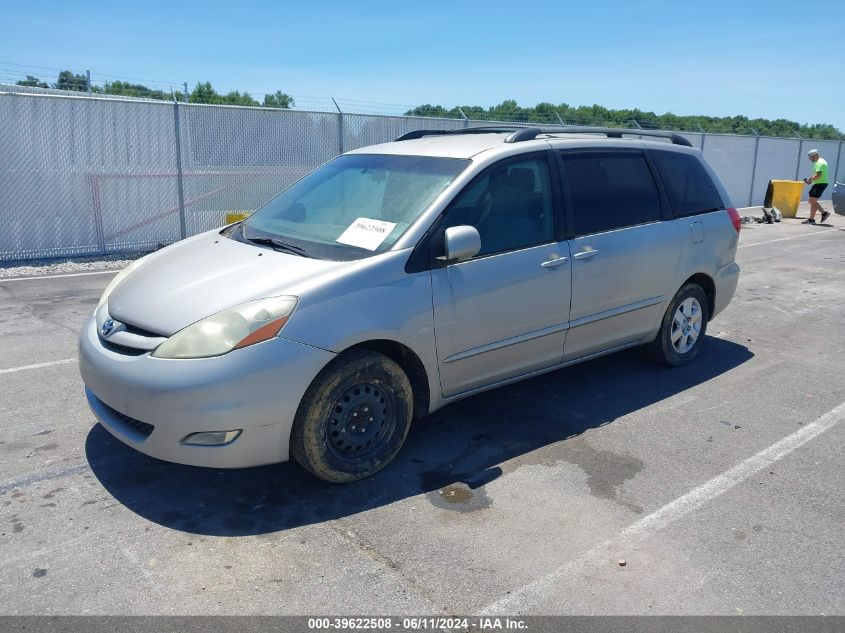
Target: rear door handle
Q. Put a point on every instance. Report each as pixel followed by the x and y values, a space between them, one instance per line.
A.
pixel 586 254
pixel 554 261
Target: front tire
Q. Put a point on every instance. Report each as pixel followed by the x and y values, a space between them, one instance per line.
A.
pixel 683 327
pixel 353 418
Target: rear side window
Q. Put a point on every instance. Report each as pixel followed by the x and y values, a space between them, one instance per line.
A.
pixel 610 190
pixel 687 183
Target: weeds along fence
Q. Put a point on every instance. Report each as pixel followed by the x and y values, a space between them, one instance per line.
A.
pixel 88 176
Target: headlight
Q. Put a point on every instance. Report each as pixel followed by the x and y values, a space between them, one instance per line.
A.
pixel 123 274
pixel 243 325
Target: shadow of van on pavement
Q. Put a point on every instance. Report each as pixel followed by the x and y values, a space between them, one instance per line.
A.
pixel 460 447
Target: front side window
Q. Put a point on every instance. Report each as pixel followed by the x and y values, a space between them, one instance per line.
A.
pixel 688 185
pixel 510 205
pixel 353 206
pixel 610 190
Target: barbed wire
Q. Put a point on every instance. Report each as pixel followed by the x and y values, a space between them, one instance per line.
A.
pixel 19 72
pixel 124 78
pixel 145 81
pixel 30 66
pixel 10 77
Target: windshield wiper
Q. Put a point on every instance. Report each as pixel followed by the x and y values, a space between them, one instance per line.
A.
pixel 278 245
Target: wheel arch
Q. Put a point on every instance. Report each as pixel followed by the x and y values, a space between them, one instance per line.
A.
pixel 410 363
pixel 707 284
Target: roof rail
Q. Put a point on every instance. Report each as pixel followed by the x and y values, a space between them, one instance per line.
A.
pixel 484 129
pixel 519 133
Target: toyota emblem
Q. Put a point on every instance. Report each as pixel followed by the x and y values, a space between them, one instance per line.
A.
pixel 107 328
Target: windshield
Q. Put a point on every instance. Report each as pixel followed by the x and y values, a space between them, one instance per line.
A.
pixel 353 206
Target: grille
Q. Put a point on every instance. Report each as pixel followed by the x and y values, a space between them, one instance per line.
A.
pixel 122 349
pixel 136 425
pixel 134 329
pixel 133 345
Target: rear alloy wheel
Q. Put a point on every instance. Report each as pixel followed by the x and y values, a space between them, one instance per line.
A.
pixel 682 328
pixel 354 417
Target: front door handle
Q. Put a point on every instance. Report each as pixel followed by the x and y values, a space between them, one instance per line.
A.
pixel 554 261
pixel 586 254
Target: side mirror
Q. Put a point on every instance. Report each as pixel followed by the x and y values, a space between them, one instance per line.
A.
pixel 462 243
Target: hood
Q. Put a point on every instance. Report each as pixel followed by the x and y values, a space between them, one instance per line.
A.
pixel 205 274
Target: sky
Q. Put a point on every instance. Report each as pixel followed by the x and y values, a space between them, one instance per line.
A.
pixel 771 58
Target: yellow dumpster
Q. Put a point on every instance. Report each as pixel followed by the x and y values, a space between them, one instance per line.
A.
pixel 239 216
pixel 784 195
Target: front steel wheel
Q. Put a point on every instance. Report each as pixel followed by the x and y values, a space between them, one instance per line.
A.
pixel 353 418
pixel 683 327
pixel 361 421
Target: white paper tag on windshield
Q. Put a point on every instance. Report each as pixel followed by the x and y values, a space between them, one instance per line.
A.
pixel 366 233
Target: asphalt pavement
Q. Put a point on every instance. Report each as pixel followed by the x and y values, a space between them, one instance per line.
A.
pixel 719 484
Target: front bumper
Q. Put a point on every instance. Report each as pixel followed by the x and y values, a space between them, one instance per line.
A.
pixel 257 389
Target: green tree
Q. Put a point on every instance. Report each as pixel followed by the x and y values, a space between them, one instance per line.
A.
pixel 67 80
pixel 204 93
pixel 545 112
pixel 35 82
pixel 237 98
pixel 278 100
pixel 133 90
pixel 428 110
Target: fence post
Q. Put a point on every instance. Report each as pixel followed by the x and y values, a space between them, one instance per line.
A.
pixel 339 127
pixel 754 166
pixel 703 134
pixel 800 151
pixel 97 206
pixel 183 229
pixel 464 117
pixel 838 163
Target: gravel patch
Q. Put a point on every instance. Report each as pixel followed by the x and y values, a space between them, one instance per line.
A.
pixel 35 268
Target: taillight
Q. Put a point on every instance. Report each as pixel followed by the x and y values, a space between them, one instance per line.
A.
pixel 735 219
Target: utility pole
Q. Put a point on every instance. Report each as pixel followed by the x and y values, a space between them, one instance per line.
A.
pixel 88 81
pixel 185 85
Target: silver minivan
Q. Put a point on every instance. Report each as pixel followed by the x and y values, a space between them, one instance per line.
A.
pixel 400 277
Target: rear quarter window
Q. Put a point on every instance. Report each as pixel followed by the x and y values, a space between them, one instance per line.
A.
pixel 688 185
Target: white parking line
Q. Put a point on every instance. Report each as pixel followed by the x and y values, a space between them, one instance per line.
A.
pixel 531 597
pixel 95 272
pixel 51 363
pixel 792 237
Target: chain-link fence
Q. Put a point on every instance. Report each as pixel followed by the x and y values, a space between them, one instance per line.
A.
pixel 95 175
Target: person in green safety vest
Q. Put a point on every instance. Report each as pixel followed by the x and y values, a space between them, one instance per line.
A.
pixel 818 183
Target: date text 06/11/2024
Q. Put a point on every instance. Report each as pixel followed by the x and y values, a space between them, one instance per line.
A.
pixel 417 623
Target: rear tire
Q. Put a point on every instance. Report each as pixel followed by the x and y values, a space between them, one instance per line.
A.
pixel 353 418
pixel 683 327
